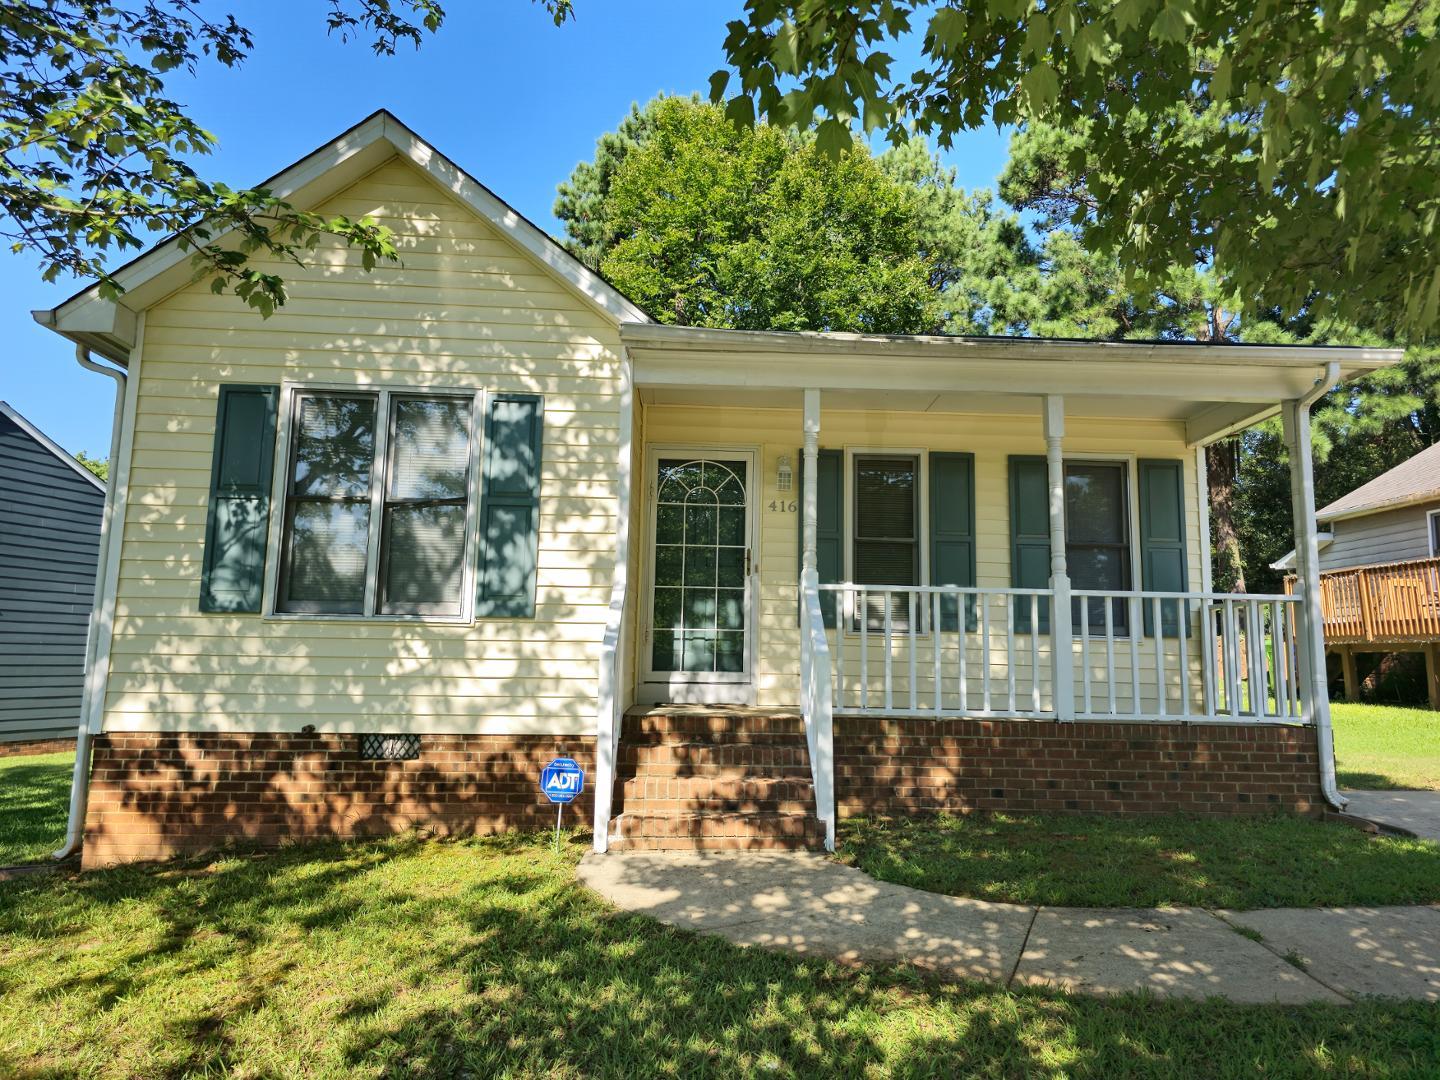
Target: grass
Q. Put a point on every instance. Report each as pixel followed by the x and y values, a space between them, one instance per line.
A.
pixel 1097 861
pixel 485 958
pixel 1380 747
pixel 34 797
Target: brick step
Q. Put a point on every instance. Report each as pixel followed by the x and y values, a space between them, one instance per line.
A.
pixel 715 831
pixel 743 786
pixel 759 757
pixel 712 726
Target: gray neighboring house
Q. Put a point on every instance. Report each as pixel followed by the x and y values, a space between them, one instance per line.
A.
pixel 50 512
pixel 1380 568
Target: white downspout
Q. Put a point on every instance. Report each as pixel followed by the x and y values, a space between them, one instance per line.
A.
pixel 80 781
pixel 1307 558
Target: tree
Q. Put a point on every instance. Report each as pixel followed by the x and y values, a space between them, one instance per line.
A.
pixel 99 466
pixel 707 224
pixel 95 156
pixel 1291 146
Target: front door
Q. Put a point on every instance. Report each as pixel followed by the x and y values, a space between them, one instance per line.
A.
pixel 700 601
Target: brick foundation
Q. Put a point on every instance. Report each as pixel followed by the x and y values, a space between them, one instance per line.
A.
pixel 36 746
pixel 917 765
pixel 157 795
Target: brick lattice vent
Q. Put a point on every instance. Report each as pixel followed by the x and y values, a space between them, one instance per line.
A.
pixel 157 795
pixel 714 780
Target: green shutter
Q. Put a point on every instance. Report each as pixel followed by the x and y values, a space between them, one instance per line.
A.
pixel 829 524
pixel 1030 536
pixel 510 506
pixel 1162 539
pixel 232 575
pixel 952 530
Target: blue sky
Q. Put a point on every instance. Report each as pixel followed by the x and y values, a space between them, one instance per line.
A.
pixel 500 90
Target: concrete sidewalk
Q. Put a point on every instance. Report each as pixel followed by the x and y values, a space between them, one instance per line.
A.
pixel 1414 811
pixel 812 905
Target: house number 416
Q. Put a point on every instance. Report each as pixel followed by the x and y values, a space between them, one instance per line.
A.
pixel 782 506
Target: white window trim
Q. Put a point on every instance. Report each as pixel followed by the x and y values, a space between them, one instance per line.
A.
pixel 1132 513
pixel 1432 520
pixel 280 484
pixel 922 496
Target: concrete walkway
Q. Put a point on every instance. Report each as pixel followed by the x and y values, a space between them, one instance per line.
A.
pixel 809 904
pixel 1416 811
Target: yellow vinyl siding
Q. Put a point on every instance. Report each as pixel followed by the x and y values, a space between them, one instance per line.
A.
pixel 466 309
pixel 992 439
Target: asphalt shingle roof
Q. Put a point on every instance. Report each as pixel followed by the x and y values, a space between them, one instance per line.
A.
pixel 1413 480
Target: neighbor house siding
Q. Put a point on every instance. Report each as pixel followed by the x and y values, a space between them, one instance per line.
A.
pixel 1389 536
pixel 465 310
pixel 992 439
pixel 49 544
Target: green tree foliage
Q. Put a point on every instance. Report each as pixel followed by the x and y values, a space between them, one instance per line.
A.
pixel 1290 145
pixel 99 466
pixel 704 223
pixel 96 156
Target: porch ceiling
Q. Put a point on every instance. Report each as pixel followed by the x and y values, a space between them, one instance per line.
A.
pixel 1214 389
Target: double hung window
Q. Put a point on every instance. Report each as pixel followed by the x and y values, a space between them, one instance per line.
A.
pixel 1097 540
pixel 885 544
pixel 379 501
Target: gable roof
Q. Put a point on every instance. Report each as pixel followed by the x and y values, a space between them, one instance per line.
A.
pixel 8 411
pixel 108 326
pixel 1414 480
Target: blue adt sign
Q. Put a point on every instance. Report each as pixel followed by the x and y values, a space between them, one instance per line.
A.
pixel 562 780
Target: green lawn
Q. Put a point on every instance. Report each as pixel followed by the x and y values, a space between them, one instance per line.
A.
pixel 486 958
pixel 1096 861
pixel 34 797
pixel 1386 746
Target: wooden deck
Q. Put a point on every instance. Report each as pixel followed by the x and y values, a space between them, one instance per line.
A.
pixel 1390 607
pixel 1392 603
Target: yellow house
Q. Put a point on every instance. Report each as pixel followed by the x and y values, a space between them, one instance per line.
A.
pixel 372 562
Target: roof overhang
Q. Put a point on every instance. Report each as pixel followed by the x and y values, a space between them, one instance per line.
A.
pixel 1381 507
pixel 1215 390
pixel 108 325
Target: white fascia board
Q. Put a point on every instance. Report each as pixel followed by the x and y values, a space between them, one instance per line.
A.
pixel 695 339
pixel 49 444
pixel 1258 387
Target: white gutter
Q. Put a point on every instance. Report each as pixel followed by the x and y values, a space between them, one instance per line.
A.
pixel 80 781
pixel 1324 735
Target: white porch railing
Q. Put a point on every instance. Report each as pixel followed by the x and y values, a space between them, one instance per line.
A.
pixel 950 651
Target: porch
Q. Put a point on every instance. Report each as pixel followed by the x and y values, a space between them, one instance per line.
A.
pixel 926 620
pixel 1387 607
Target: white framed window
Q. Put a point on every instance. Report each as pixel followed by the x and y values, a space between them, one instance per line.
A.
pixel 1433 520
pixel 886 533
pixel 378 503
pixel 1099 537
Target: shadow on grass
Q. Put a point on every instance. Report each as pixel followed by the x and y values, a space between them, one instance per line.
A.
pixel 34 799
pixel 1368 781
pixel 485 957
pixel 1144 861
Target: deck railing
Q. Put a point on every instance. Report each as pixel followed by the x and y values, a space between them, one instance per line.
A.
pixel 1390 602
pixel 951 651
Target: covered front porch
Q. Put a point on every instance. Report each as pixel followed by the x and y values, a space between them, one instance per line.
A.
pixel 951 528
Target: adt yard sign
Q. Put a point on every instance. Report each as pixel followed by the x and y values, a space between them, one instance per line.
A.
pixel 562 780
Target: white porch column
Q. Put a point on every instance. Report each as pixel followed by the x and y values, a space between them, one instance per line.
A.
pixel 1061 635
pixel 1296 418
pixel 809 496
